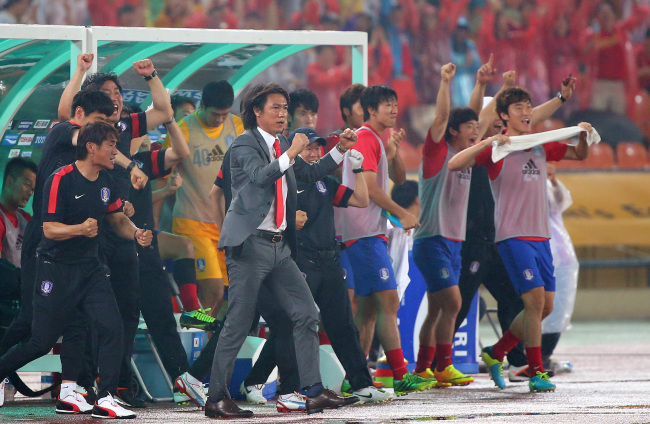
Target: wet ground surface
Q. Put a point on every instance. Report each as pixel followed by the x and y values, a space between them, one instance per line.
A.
pixel 610 384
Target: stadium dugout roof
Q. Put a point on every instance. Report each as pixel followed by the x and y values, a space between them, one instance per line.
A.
pixel 36 61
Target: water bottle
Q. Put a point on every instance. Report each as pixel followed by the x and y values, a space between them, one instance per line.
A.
pixel 10 390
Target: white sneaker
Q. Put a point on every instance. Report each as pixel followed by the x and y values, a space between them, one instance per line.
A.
pixel 294 402
pixel 371 394
pixel 521 373
pixel 253 393
pixel 192 388
pixel 106 407
pixel 73 403
pixel 2 393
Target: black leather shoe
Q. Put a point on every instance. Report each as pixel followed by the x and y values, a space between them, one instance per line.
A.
pixel 350 400
pixel 326 400
pixel 225 408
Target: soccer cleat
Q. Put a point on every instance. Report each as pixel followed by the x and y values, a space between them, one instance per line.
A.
pixel 541 383
pixel 197 319
pixel 126 397
pixel 2 392
pixel 495 367
pixel 519 373
pixel 412 383
pixel 452 376
pixel 193 388
pixel 73 403
pixel 346 389
pixel 181 398
pixel 253 393
pixel 428 375
pixel 106 407
pixel 294 402
pixel 371 394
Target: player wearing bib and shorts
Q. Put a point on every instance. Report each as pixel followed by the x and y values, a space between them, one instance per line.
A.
pixel 443 215
pixel 364 231
pixel 209 131
pixel 518 184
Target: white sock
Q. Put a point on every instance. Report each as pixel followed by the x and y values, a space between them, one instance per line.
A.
pixel 192 380
pixel 67 388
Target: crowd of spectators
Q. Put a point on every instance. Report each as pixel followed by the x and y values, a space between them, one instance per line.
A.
pixel 602 43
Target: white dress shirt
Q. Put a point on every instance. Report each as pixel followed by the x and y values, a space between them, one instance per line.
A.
pixel 269 221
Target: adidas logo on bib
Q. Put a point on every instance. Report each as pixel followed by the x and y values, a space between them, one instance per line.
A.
pixel 531 171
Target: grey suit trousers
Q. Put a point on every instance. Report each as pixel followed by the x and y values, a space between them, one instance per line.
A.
pixel 264 262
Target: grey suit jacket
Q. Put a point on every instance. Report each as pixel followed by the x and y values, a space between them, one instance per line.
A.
pixel 253 177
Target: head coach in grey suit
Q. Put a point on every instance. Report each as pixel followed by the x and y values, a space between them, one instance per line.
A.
pixel 259 236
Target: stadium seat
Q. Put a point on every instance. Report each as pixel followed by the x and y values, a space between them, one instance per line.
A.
pixel 601 156
pixel 631 155
pixel 642 112
pixel 569 164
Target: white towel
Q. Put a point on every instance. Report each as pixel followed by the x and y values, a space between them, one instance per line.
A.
pixel 524 142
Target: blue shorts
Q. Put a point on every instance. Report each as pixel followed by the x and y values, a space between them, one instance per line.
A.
pixel 347 269
pixel 438 259
pixel 529 264
pixel 371 266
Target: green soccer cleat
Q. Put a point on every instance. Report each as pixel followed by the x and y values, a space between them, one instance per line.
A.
pixel 197 319
pixel 495 366
pixel 541 383
pixel 412 383
pixel 346 388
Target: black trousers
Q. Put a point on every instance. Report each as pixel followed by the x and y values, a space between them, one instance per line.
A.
pixel 62 291
pixel 481 264
pixel 326 281
pixel 158 312
pixel 121 257
pixel 74 334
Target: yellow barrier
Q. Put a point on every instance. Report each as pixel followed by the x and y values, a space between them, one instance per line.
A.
pixel 608 208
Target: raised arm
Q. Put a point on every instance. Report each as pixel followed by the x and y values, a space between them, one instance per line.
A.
pixel 484 75
pixel 359 198
pixel 443 103
pixel 179 147
pixel 162 107
pixel 489 113
pixel 581 151
pixel 546 110
pixel 84 62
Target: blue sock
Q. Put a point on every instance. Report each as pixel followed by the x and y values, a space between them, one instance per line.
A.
pixel 314 390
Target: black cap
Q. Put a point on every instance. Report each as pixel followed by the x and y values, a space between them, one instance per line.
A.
pixel 311 135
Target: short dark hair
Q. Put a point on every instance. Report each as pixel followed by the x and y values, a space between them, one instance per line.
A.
pixel 218 94
pixel 256 98
pixel 96 133
pixel 508 97
pixel 458 116
pixel 96 80
pixel 15 168
pixel 91 100
pixel 405 194
pixel 350 96
pixel 178 101
pixel 302 97
pixel 372 96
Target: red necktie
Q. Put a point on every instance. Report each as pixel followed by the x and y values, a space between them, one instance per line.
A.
pixel 279 200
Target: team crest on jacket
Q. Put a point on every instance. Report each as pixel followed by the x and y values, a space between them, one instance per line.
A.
pixel 106 195
pixel 321 187
pixel 121 126
pixel 46 287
